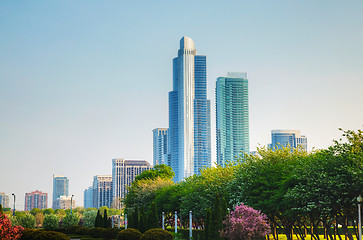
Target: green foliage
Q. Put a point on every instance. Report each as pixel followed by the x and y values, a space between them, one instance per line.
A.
pixel 89 218
pixel 34 211
pixel 111 233
pixel 1 208
pixel 71 219
pixel 163 171
pixel 26 220
pixel 106 220
pixel 208 228
pixel 153 219
pixel 32 234
pixel 51 222
pixel 96 232
pixel 157 234
pixel 77 230
pixel 129 234
pixel 48 211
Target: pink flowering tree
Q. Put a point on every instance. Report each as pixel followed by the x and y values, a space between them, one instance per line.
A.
pixel 7 231
pixel 245 223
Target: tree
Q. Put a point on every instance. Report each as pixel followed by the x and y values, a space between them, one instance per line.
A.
pixel 51 221
pixel 1 208
pixel 39 217
pixel 34 211
pixel 7 230
pixel 89 218
pixel 26 220
pixel 71 219
pixel 48 211
pixel 153 219
pixel 106 220
pixel 217 218
pixel 163 171
pixel 245 223
pixel 99 220
pixel 208 235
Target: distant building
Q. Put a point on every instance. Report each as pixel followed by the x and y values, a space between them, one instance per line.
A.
pixel 64 202
pixel 284 138
pixel 60 188
pixel 36 199
pixel 102 191
pixel 4 200
pixel 160 146
pixel 232 117
pixel 88 197
pixel 124 173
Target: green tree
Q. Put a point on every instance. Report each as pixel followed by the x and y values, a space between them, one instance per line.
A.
pixel 163 171
pixel 153 219
pixel 217 218
pixel 48 211
pixel 39 218
pixel 71 219
pixel 89 218
pixel 34 211
pixel 26 220
pixel 1 208
pixel 208 234
pixel 106 220
pixel 99 220
pixel 51 221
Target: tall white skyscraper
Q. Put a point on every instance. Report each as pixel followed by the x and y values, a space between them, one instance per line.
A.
pixel 189 113
pixel 160 146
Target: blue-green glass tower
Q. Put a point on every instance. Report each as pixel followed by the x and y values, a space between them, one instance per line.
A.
pixel 232 117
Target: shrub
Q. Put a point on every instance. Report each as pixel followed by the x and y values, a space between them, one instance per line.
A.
pixel 77 230
pixel 70 220
pixel 51 222
pixel 129 234
pixel 245 223
pixel 7 231
pixel 110 233
pixel 32 234
pixel 96 232
pixel 89 218
pixel 157 234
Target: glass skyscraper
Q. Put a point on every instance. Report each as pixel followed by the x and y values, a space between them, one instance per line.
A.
pixel 160 146
pixel 189 113
pixel 60 188
pixel 232 117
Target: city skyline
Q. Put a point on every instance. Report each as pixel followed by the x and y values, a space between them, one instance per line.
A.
pixel 85 82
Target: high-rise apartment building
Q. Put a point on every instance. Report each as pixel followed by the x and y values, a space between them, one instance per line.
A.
pixel 160 146
pixel 4 200
pixel 232 117
pixel 36 199
pixel 60 188
pixel 88 198
pixel 189 113
pixel 124 173
pixel 65 202
pixel 283 138
pixel 102 191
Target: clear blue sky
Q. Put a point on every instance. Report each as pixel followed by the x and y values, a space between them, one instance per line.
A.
pixel 82 82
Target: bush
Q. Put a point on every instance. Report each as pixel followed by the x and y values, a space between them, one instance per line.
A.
pixel 96 232
pixel 77 230
pixel 157 234
pixel 7 231
pixel 32 234
pixel 89 218
pixel 70 220
pixel 51 222
pixel 129 234
pixel 110 233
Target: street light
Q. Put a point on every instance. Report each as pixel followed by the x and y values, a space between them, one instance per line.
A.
pixel 14 204
pixel 359 199
pixel 71 203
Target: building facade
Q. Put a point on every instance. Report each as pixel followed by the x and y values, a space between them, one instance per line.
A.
pixel 124 173
pixel 4 200
pixel 160 146
pixel 36 199
pixel 189 113
pixel 65 202
pixel 292 138
pixel 102 191
pixel 232 117
pixel 88 198
pixel 60 188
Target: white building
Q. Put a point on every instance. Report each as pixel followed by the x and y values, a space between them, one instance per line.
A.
pixel 102 191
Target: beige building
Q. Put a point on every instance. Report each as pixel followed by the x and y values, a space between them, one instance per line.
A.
pixel 64 202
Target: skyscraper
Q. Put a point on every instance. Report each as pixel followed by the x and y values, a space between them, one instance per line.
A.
pixel 36 199
pixel 189 113
pixel 123 174
pixel 283 138
pixel 60 188
pixel 160 146
pixel 232 117
pixel 4 200
pixel 102 191
pixel 88 197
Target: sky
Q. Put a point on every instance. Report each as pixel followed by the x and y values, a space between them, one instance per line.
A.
pixel 83 82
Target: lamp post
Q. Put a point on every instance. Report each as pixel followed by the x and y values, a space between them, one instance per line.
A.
pixel 14 204
pixel 71 203
pixel 359 199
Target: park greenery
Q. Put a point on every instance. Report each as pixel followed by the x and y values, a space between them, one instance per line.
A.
pixel 298 191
